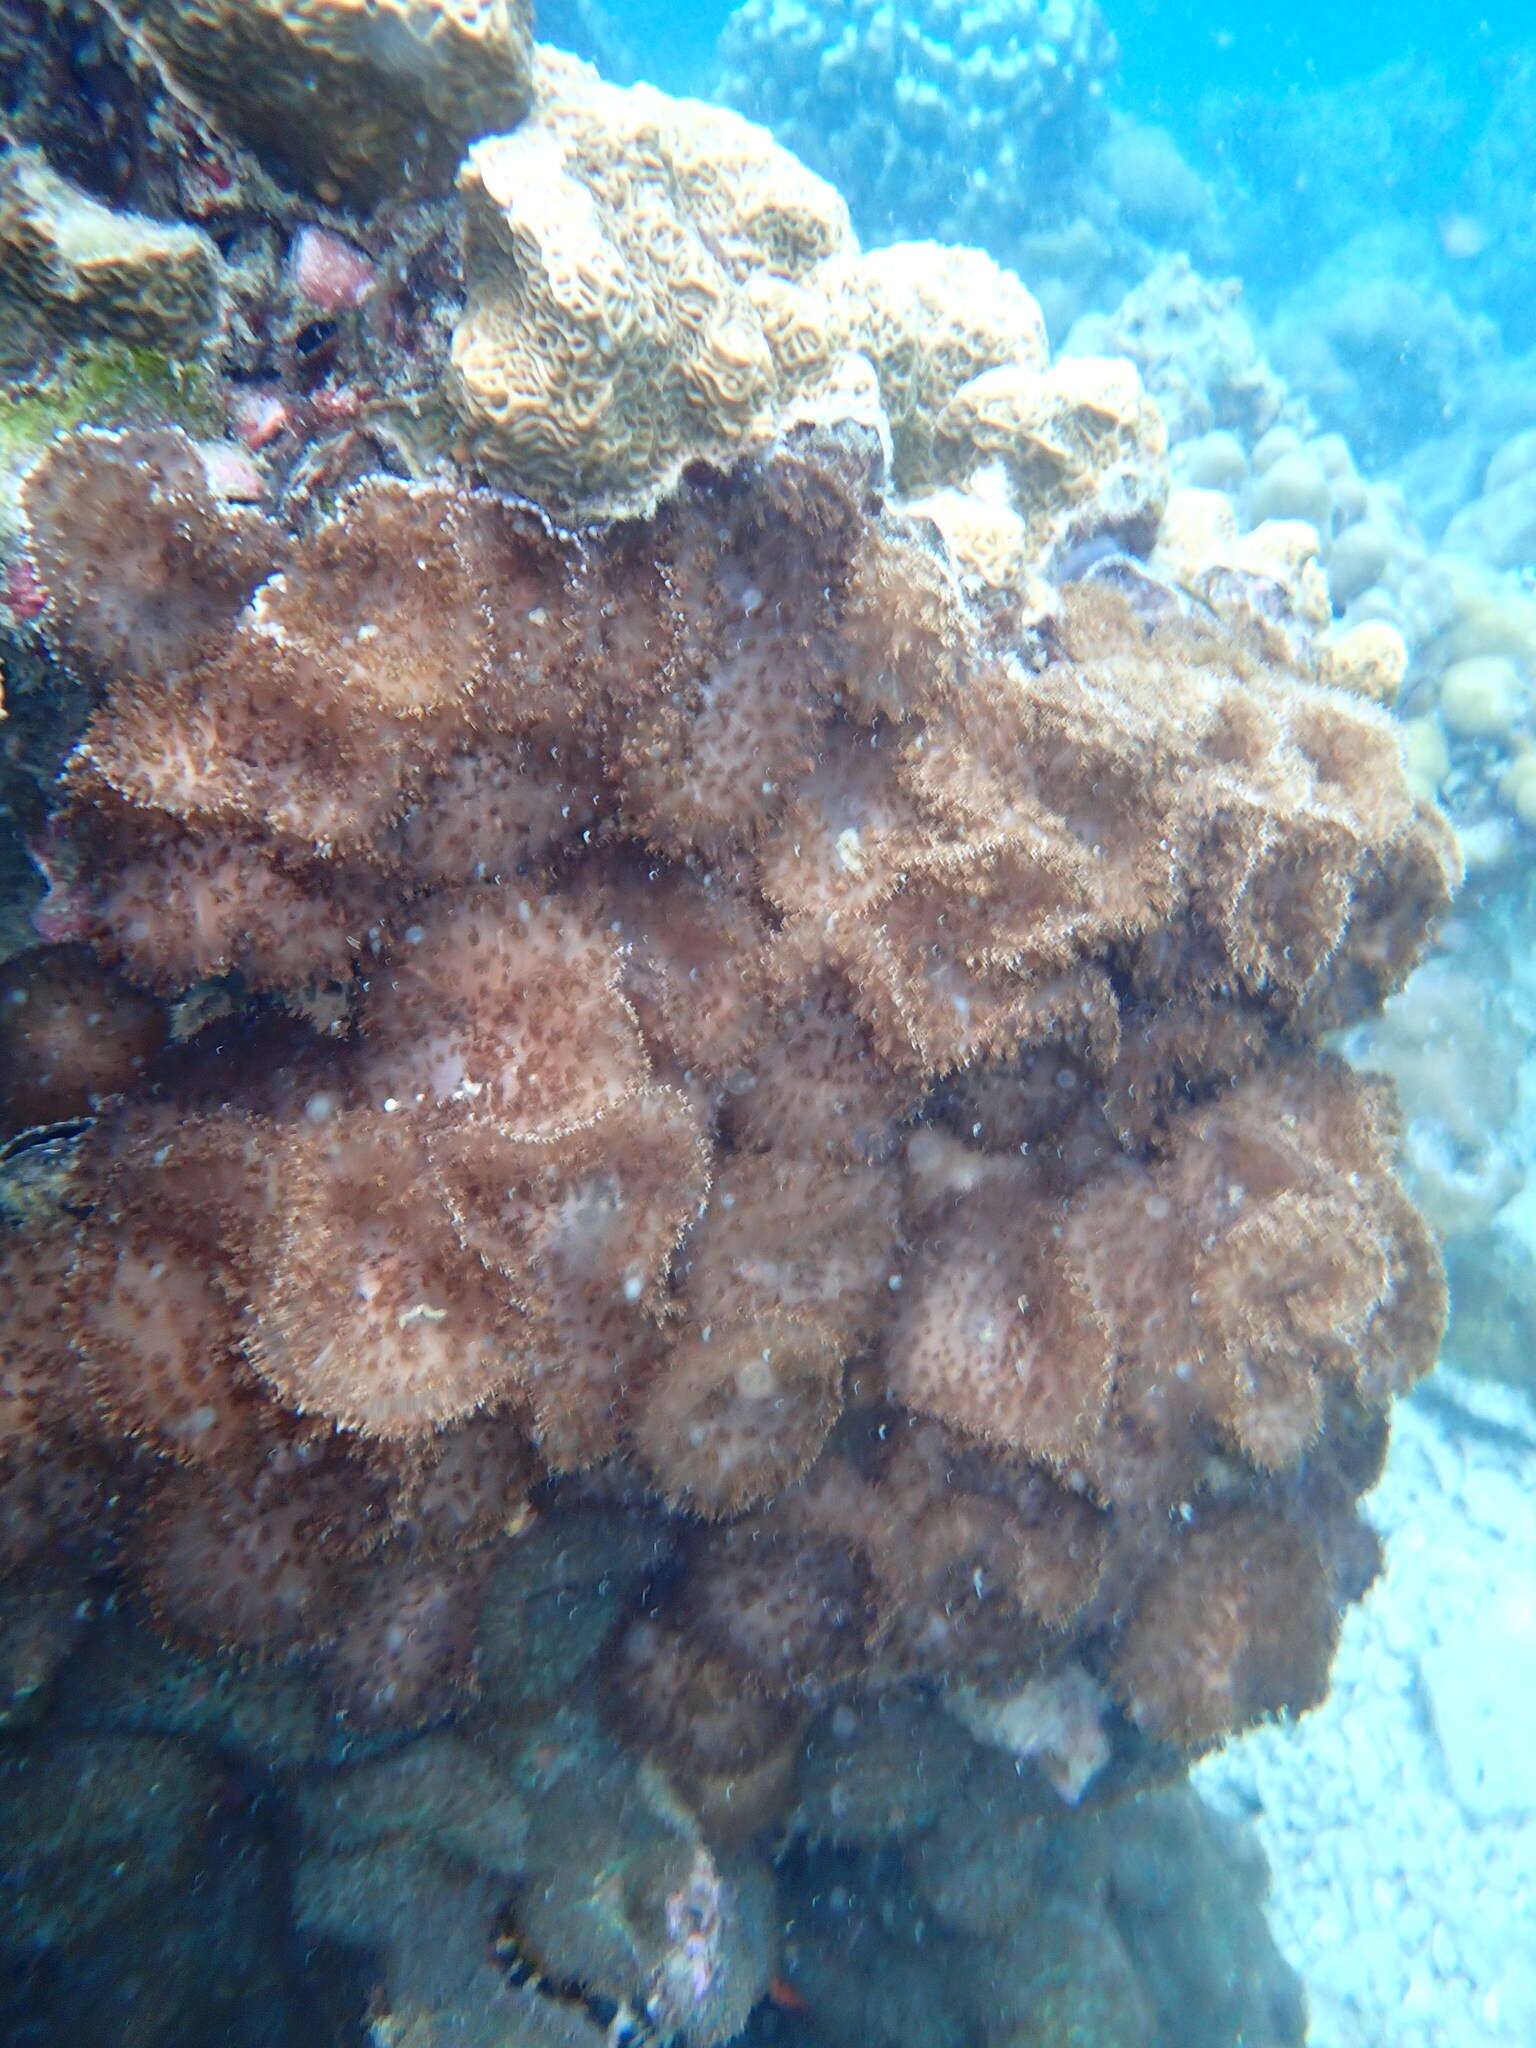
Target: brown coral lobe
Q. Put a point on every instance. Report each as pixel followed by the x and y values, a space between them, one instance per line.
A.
pixel 787 1051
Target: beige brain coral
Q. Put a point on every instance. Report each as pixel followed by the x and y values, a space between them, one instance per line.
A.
pixel 352 99
pixel 610 333
pixel 1081 444
pixel 652 281
pixel 931 318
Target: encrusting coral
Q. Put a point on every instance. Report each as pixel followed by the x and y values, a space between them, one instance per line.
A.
pixel 713 1143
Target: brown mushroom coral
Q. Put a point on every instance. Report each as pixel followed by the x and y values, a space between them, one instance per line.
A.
pixel 687 1708
pixel 797 1236
pixel 399 1655
pixel 62 1490
pixel 817 1087
pixel 588 1212
pixel 373 1315
pixel 181 909
pixel 469 1485
pixel 143 569
pixel 695 963
pixel 1239 1624
pixel 71 1033
pixel 35 1360
pixel 159 1341
pixel 1057 1537
pixel 734 1411
pixel 997 1335
pixel 979 1559
pixel 708 762
pixel 320 714
pixel 255 1559
pixel 793 1611
pixel 804 1057
pixel 533 1031
pixel 155 1296
pixel 486 812
pixel 582 1224
pixel 1265 1250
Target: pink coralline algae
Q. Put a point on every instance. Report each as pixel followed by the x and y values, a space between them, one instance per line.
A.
pixel 332 273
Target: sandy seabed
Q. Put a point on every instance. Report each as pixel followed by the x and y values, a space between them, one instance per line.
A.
pixel 1400 1818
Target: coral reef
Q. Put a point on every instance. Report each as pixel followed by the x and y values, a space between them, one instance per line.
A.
pixel 965 123
pixel 1012 1925
pixel 1445 629
pixel 1197 354
pixel 690 1250
pixel 651 282
pixel 533 1200
pixel 1386 356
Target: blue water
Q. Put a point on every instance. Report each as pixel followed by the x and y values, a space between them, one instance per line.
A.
pixel 1171 54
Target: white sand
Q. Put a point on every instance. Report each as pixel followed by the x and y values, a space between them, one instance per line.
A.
pixel 1400 1818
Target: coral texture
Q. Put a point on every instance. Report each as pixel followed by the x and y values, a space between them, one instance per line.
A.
pixel 1029 941
pixel 651 282
pixel 640 288
pixel 71 1034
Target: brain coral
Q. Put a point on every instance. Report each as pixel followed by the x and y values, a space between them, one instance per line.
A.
pixel 87 269
pixel 651 281
pixel 639 288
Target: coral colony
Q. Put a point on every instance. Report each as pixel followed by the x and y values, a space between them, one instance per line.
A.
pixel 674 1218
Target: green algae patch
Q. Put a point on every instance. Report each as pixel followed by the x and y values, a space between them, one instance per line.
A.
pixel 117 384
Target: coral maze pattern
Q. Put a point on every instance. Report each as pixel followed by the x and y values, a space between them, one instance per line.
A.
pixel 721 1039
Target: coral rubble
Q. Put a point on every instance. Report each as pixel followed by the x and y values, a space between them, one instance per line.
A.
pixel 704 1213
